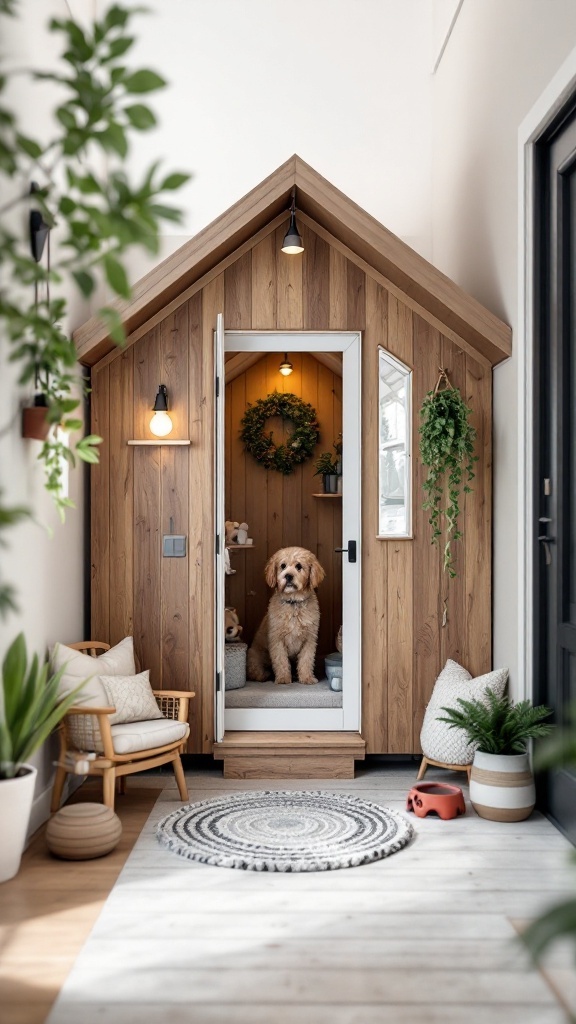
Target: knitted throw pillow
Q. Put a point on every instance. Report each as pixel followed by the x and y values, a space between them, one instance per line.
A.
pixel 439 742
pixel 132 697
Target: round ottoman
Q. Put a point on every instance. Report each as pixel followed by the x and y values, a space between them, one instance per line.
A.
pixel 83 831
pixel 436 797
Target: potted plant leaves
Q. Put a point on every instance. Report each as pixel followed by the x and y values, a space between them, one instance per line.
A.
pixel 329 467
pixel 501 781
pixel 30 708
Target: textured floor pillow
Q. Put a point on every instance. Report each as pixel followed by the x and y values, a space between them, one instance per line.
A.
pixel 438 740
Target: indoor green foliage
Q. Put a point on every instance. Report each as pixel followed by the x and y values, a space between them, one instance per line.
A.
pixel 498 726
pixel 30 706
pixel 8 517
pixel 299 445
pixel 447 450
pixel 559 921
pixel 100 213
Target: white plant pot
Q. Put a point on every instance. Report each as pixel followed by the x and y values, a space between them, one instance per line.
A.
pixel 16 797
pixel 502 786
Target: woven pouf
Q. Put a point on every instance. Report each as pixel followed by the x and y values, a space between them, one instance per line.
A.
pixel 83 831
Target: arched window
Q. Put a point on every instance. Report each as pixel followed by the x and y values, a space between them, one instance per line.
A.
pixel 394 447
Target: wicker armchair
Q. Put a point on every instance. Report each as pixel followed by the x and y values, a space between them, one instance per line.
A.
pixel 108 763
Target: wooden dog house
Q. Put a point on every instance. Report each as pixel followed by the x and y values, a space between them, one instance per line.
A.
pixel 354 276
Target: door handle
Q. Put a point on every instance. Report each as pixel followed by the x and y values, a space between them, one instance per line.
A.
pixel 350 550
pixel 546 542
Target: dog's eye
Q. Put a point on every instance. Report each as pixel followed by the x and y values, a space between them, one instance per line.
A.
pixel 298 566
pixel 283 566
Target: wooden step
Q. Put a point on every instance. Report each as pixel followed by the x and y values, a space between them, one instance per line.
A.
pixel 290 755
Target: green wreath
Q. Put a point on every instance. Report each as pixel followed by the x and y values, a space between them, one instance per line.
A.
pixel 299 446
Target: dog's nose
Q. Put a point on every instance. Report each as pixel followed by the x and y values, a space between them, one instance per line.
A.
pixel 289 577
pixel 230 629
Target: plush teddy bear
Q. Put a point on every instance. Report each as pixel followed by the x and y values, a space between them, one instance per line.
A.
pixel 232 627
pixel 231 531
pixel 242 533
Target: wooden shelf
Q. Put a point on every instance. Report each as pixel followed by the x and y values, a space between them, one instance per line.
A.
pixel 326 495
pixel 240 547
pixel 159 441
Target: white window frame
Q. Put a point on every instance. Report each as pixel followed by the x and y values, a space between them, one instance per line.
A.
pixel 406 371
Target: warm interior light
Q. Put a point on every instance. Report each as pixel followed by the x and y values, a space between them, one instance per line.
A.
pixel 161 424
pixel 286 367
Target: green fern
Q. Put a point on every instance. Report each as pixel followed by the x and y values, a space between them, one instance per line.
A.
pixel 496 725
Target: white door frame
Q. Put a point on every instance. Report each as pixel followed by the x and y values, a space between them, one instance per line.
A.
pixel 349 716
pixel 556 94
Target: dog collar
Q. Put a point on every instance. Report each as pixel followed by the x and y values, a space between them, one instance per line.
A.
pixel 286 600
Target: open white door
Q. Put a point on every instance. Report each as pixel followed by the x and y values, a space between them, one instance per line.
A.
pixel 348 716
pixel 220 594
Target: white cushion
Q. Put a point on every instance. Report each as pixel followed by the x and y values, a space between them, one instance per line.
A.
pixel 438 740
pixel 119 660
pixel 134 736
pixel 132 697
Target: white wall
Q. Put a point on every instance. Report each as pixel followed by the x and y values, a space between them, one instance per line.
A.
pixel 500 57
pixel 43 559
pixel 346 85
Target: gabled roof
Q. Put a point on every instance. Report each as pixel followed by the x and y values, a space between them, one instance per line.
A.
pixel 424 287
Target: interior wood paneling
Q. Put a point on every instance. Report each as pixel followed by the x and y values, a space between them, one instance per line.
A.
pixel 136 491
pixel 281 510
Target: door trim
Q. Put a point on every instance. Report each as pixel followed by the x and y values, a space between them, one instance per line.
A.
pixel 350 344
pixel 556 94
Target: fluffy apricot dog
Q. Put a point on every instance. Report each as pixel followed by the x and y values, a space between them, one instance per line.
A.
pixel 290 628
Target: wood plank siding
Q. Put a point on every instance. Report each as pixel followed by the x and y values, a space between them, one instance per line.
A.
pixel 137 493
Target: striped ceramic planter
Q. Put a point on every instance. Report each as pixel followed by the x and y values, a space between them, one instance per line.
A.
pixel 502 786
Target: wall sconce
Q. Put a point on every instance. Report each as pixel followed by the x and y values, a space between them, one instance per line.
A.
pixel 161 424
pixel 292 242
pixel 286 367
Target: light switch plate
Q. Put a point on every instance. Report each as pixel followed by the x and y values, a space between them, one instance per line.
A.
pixel 174 545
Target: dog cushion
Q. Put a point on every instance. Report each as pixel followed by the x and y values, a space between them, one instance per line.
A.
pixel 438 740
pixel 119 660
pixel 132 697
pixel 133 736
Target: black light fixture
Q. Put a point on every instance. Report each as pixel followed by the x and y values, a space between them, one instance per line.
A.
pixel 161 424
pixel 292 241
pixel 286 367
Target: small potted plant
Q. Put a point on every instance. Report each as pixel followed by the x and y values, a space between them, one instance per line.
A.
pixel 501 781
pixel 30 708
pixel 329 467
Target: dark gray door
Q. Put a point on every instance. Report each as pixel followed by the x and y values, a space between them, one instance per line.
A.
pixel 555 419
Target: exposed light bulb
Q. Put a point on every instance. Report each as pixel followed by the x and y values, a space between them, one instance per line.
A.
pixel 160 424
pixel 286 367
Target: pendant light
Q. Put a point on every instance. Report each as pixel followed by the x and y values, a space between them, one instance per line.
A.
pixel 292 243
pixel 286 367
pixel 161 424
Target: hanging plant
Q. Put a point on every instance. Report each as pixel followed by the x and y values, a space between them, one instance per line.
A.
pixel 301 442
pixel 447 450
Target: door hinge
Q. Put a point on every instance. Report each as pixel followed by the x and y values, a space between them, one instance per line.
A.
pixel 217 387
pixel 217 543
pixel 547 486
pixel 218 682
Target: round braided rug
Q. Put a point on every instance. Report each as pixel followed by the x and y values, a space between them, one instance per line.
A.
pixel 284 831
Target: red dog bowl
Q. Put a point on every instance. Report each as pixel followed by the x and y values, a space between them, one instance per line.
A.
pixel 428 797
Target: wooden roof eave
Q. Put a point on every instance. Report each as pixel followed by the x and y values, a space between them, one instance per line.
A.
pixel 409 272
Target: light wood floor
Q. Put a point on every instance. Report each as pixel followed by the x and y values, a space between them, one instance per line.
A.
pixel 423 937
pixel 49 909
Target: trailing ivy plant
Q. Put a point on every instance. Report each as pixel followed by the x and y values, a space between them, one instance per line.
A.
pixel 100 213
pixel 447 449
